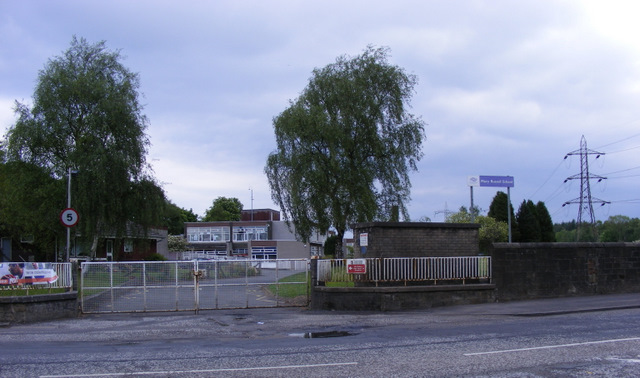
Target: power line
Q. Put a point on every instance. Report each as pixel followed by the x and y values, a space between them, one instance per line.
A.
pixel 547 180
pixel 623 170
pixel 621 140
pixel 626 149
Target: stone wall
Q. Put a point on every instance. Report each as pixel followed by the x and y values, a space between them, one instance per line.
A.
pixel 35 308
pixel 520 271
pixel 398 298
pixel 416 239
pixel 547 270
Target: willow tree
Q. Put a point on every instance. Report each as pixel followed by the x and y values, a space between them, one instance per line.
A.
pixel 86 118
pixel 346 146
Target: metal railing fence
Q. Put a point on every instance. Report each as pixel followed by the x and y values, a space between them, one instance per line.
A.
pixel 192 285
pixel 35 275
pixel 409 269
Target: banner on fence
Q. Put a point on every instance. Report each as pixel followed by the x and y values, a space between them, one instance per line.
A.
pixel 13 273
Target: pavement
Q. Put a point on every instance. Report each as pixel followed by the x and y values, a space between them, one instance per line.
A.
pixel 303 317
pixel 243 324
pixel 551 306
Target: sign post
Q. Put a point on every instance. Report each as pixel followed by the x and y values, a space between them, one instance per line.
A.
pixel 69 218
pixel 494 181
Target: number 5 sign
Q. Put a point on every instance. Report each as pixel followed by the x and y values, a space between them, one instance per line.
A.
pixel 69 217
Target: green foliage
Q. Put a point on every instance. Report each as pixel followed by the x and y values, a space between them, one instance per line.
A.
pixel 491 231
pixel 527 219
pixel 545 223
pixel 498 208
pixel 566 236
pixel 293 286
pixel 175 217
pixel 224 209
pixel 177 243
pixel 620 228
pixel 30 204
pixel 462 216
pixel 155 257
pixel 498 211
pixel 330 245
pixel 86 117
pixel 346 145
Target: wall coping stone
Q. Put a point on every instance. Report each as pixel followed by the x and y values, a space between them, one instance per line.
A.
pixel 404 289
pixel 563 245
pixel 39 298
pixel 415 225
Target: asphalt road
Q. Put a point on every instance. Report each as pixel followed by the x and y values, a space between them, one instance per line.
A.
pixel 577 337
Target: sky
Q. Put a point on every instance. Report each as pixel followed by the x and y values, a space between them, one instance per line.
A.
pixel 506 88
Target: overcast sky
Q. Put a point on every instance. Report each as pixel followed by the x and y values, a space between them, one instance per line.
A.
pixel 506 88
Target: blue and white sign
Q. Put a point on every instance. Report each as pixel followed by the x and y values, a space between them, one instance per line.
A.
pixel 496 181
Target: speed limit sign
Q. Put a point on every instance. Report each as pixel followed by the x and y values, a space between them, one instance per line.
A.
pixel 69 217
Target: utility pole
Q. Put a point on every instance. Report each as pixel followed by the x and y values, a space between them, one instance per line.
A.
pixel 585 201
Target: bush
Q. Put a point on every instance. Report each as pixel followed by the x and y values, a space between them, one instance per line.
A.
pixel 155 257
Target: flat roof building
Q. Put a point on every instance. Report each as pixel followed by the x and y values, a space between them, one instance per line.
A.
pixel 264 237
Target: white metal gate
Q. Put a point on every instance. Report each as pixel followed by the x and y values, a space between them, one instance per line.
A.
pixel 193 285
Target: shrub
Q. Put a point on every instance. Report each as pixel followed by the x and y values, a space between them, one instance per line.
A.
pixel 155 257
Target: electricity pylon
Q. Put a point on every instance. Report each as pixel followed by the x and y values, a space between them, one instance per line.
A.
pixel 585 200
pixel 446 212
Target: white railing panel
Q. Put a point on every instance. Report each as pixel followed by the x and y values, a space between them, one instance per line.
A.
pixel 409 269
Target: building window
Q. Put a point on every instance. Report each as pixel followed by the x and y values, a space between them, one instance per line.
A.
pixel 239 252
pixel 208 234
pixel 128 245
pixel 109 250
pixel 28 238
pixel 239 234
pixel 242 233
pixel 264 253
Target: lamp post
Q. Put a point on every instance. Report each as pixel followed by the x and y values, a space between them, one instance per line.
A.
pixel 251 190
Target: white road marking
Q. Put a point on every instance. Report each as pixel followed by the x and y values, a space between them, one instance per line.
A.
pixel 632 360
pixel 201 371
pixel 553 346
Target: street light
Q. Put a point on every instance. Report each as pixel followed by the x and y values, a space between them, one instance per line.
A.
pixel 251 190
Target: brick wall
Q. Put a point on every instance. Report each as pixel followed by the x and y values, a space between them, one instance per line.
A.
pixel 417 239
pixel 546 270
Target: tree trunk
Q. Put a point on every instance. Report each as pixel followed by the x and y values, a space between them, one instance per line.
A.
pixel 339 250
pixel 94 247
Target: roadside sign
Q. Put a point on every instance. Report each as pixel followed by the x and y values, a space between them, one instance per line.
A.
pixel 496 181
pixel 356 266
pixel 69 217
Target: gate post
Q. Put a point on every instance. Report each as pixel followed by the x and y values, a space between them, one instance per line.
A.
pixel 196 284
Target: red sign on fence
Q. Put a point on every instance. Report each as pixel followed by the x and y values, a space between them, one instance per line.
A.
pixel 356 266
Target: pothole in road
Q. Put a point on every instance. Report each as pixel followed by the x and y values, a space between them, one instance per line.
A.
pixel 322 335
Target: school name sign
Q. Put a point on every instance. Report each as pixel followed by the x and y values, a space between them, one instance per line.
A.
pixel 495 181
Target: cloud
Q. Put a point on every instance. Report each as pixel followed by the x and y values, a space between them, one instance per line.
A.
pixel 506 87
